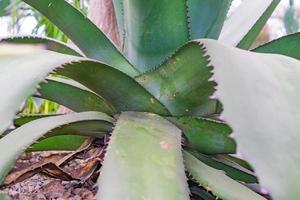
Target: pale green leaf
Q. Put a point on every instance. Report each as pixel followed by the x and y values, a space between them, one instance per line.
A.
pixel 244 25
pixel 16 142
pixel 143 161
pixel 216 180
pixel 260 95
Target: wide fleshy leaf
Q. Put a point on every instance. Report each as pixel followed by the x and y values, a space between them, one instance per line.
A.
pixel 232 169
pixel 59 143
pixel 4 196
pixel 288 45
pixel 206 17
pixel 92 42
pixel 153 30
pixel 108 82
pixel 143 161
pixel 68 137
pixel 119 12
pixel 14 61
pixel 220 185
pixel 206 136
pixel 244 25
pixel 73 95
pixel 182 83
pixel 47 43
pixel 13 144
pixel 23 119
pixel 89 128
pixel 123 92
pixel 259 93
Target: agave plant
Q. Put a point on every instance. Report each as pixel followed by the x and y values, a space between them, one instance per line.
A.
pixel 159 97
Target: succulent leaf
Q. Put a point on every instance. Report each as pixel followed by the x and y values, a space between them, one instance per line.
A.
pixel 259 93
pixel 182 83
pixel 216 180
pixel 206 136
pixel 206 17
pixel 154 30
pixel 244 25
pixel 89 39
pixel 143 160
pixel 288 45
pixel 73 95
pixel 19 139
pixel 47 43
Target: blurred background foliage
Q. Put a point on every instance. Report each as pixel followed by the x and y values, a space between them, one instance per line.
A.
pixel 17 18
pixel 15 15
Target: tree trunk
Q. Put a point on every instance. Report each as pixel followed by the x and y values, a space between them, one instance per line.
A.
pixel 102 13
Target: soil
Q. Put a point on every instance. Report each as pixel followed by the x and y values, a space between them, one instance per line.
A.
pixel 56 175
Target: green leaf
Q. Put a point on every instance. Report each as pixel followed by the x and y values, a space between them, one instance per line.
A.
pixel 259 93
pixel 206 17
pixel 92 42
pixel 48 43
pixel 206 136
pixel 23 119
pixel 143 161
pixel 58 143
pixel 232 169
pixel 108 82
pixel 153 30
pixel 13 144
pixel 64 138
pixel 243 26
pixel 123 92
pixel 86 128
pixel 288 45
pixel 220 185
pixel 291 22
pixel 182 83
pixel 73 95
pixel 3 6
pixel 119 12
pixel 15 61
pixel 4 196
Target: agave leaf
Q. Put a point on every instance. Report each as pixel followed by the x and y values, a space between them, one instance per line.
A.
pixel 239 161
pixel 92 42
pixel 244 25
pixel 182 83
pixel 123 92
pixel 23 119
pixel 215 180
pixel 119 12
pixel 232 169
pixel 150 30
pixel 143 161
pixel 59 143
pixel 106 81
pixel 73 95
pixel 59 138
pixel 206 136
pixel 288 45
pixel 14 61
pixel 13 144
pixel 204 194
pixel 48 43
pixel 206 17
pixel 4 196
pixel 259 93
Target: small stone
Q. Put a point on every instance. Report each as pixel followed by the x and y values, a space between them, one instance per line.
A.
pixel 39 196
pixel 84 193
